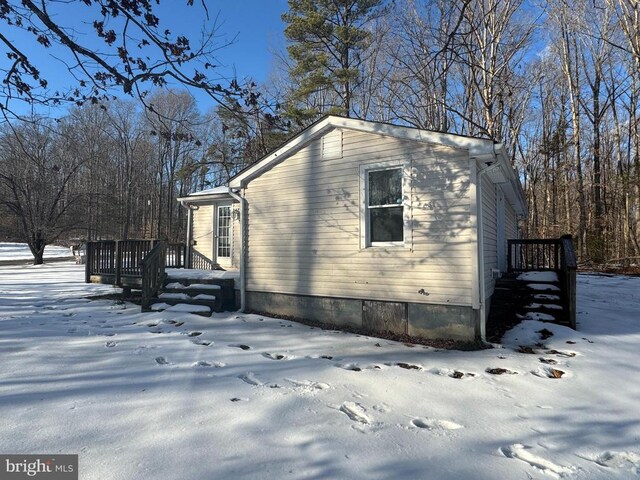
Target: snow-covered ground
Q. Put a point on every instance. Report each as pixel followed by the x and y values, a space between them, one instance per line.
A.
pixel 178 396
pixel 20 251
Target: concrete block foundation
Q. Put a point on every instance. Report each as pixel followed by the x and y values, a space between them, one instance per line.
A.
pixel 423 320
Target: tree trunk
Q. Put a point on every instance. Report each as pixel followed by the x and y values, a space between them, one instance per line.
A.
pixel 37 245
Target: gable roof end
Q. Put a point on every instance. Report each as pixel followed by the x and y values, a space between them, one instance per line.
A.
pixel 477 147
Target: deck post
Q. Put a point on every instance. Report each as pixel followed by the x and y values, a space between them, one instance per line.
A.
pixel 118 265
pixel 89 263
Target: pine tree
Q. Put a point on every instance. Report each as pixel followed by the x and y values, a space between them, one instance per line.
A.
pixel 328 39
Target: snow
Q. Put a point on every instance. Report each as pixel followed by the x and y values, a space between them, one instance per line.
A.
pixel 183 273
pixel 551 306
pixel 543 287
pixel 220 190
pixel 180 308
pixel 543 276
pixel 204 296
pixel 20 251
pixel 538 316
pixel 202 286
pixel 543 296
pixel 175 395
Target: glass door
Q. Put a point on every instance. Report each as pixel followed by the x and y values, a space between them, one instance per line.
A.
pixel 223 235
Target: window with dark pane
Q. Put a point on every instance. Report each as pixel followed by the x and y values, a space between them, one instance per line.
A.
pixel 385 205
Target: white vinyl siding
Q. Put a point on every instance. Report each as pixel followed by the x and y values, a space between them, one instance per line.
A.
pixel 489 227
pixel 203 230
pixel 511 222
pixel 304 218
pixel 235 230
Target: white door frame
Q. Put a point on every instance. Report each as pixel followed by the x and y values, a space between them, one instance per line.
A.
pixel 223 261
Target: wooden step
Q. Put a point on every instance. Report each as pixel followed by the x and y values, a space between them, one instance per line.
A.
pixel 158 305
pixel 223 288
pixel 515 299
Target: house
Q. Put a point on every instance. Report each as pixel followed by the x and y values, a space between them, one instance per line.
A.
pixel 367 225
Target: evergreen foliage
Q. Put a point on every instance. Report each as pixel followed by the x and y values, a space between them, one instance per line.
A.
pixel 327 41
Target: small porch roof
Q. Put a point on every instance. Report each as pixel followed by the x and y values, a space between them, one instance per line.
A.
pixel 218 193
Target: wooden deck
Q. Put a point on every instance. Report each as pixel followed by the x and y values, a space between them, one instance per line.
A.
pixel 119 262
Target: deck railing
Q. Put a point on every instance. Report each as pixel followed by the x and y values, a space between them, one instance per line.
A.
pixel 153 274
pixel 176 255
pixel 120 258
pixel 549 254
pixel 533 254
pixel 200 262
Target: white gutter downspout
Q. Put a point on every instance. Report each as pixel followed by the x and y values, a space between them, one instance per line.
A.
pixel 243 287
pixel 483 306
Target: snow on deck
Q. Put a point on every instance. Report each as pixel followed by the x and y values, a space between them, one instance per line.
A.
pixel 538 277
pixel 174 395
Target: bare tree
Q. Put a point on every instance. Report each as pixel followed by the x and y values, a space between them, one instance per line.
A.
pixel 36 172
pixel 125 47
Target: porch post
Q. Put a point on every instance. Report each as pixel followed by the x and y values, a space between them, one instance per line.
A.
pixel 188 261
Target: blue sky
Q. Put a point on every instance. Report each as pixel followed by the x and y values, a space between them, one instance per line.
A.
pixel 253 30
pixel 259 31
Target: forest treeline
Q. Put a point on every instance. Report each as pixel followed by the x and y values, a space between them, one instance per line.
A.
pixel 557 82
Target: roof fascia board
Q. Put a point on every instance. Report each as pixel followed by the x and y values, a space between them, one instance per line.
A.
pixel 475 146
pixel 195 199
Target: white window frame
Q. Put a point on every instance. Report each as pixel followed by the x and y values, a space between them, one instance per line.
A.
pixel 365 236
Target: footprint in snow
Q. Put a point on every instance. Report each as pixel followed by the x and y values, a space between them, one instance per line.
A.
pixel 194 334
pixel 382 408
pixel 355 412
pixel 434 424
pixel 110 344
pixel 408 366
pixel 548 372
pixel 277 356
pixel 499 371
pixel 241 346
pixel 204 343
pixel 523 453
pixel 621 460
pixel 203 363
pixel 307 385
pixel 561 354
pixel 251 379
pixel 324 357
pixel 162 361
pixel 354 367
